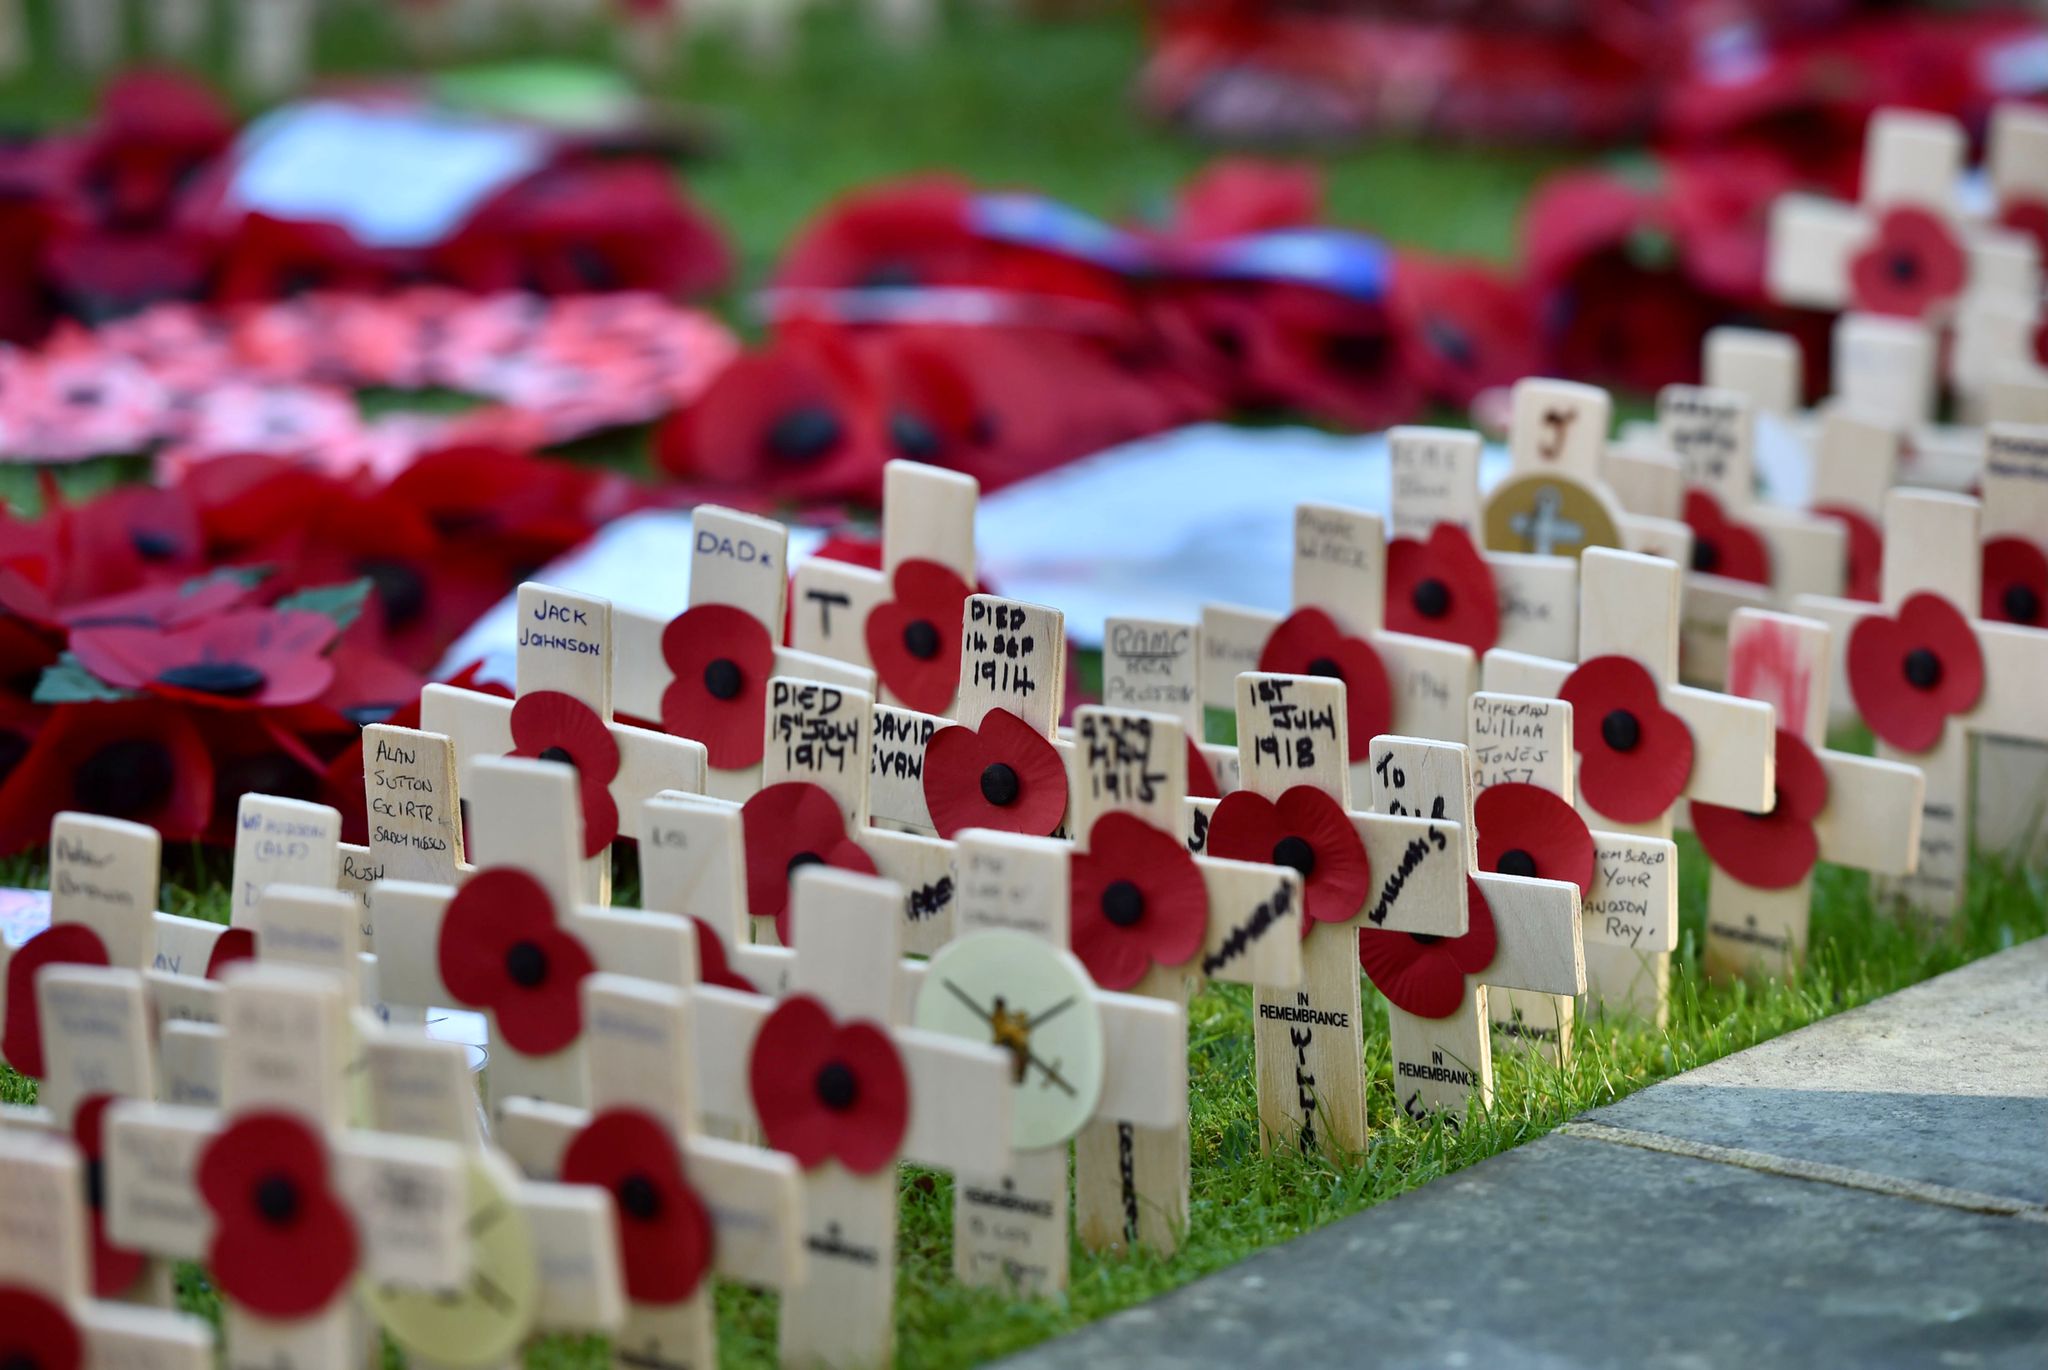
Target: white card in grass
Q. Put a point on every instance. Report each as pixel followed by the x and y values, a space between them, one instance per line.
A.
pixel 281 841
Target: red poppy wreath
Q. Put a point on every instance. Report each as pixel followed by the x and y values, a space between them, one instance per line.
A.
pixel 828 1091
pixel 1304 829
pixel 1911 673
pixel 1138 901
pixel 1004 775
pixel 721 658
pixel 1425 975
pixel 665 1235
pixel 787 827
pixel 283 1245
pixel 1775 850
pixel 1635 755
pixel 243 659
pixel 500 951
pixel 1309 642
pixel 551 726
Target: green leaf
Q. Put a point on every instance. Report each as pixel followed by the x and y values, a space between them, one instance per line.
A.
pixel 241 575
pixel 68 682
pixel 339 602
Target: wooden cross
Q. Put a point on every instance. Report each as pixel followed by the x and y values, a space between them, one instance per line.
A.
pixel 1436 485
pixel 1767 367
pixel 704 673
pixel 523 835
pixel 543 1257
pixel 1340 567
pixel 1855 460
pixel 1443 1061
pixel 1912 163
pixel 956 1105
pixel 1243 924
pixel 1869 816
pixel 1077 1053
pixel 1656 741
pixel 928 571
pixel 641 1084
pixel 268 1189
pixel 1925 647
pixel 1400 874
pixel 562 711
pixel 1744 553
pixel 1155 666
pixel 1629 904
pixel 46 1260
pixel 1564 487
pixel 2011 800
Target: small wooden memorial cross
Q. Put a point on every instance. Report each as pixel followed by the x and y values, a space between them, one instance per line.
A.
pixel 1522 934
pixel 1155 666
pixel 1855 461
pixel 1643 742
pixel 563 712
pixel 1831 806
pixel 542 1257
pixel 1078 1053
pixel 1393 682
pixel 2011 799
pixel 1744 553
pixel 704 673
pixel 46 1284
pixel 1767 367
pixel 1439 549
pixel 1359 870
pixel 686 1204
pixel 927 574
pixel 1555 500
pixel 828 1075
pixel 285 1204
pixel 1872 255
pixel 513 941
pixel 1148 917
pixel 1927 673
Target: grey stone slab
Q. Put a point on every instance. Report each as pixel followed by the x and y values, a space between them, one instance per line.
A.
pixel 1944 1083
pixel 1571 1252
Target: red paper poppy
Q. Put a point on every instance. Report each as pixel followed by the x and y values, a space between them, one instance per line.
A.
pixel 787 827
pixel 1137 900
pixel 2029 217
pixel 1309 642
pixel 914 639
pixel 36 1332
pixel 115 1269
pixel 272 259
pixel 721 658
pixel 154 133
pixel 551 726
pixel 1911 673
pixel 713 966
pixel 1775 850
pixel 1635 755
pixel 61 944
pixel 1004 775
pixel 1234 196
pixel 1468 328
pixel 1304 829
pixel 1721 546
pixel 1202 782
pixel 283 1245
pixel 828 1091
pixel 143 760
pixel 1442 589
pixel 2015 582
pixel 243 659
pixel 665 1236
pixel 1863 576
pixel 1425 975
pixel 1912 267
pixel 501 951
pixel 233 945
pixel 1529 831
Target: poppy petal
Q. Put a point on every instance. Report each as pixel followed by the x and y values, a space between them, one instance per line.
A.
pixel 555 726
pixel 665 1232
pixel 1308 642
pixel 37 1331
pixel 69 944
pixel 1529 831
pixel 721 658
pixel 785 827
pixel 280 1264
pixel 1775 850
pixel 1635 755
pixel 2015 583
pixel 826 1091
pixel 1137 900
pixel 1910 673
pixel 1442 589
pixel 914 639
pixel 1425 975
pixel 1004 775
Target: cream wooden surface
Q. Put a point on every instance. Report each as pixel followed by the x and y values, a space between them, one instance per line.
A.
pixel 820 734
pixel 928 514
pixel 1154 665
pixel 1855 458
pixel 1012 656
pixel 1340 565
pixel 1231 641
pixel 565 645
pixel 415 820
pixel 1559 426
pixel 1713 433
pixel 741 560
pixel 1886 366
pixel 97 1037
pixel 693 862
pixel 1913 158
pixel 2011 791
pixel 103 874
pixel 1435 479
pixel 829 606
pixel 321 930
pixel 281 841
pixel 1645 480
pixel 896 771
pixel 1765 366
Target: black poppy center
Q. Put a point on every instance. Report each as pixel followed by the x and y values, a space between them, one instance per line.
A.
pixel 1431 598
pixel 95 1184
pixel 1227 341
pixel 401 591
pixel 19 1360
pixel 921 639
pixel 639 1198
pixel 913 437
pixel 2021 604
pixel 1904 267
pixel 152 545
pixel 836 1086
pixel 1451 341
pixel 1426 939
pixel 890 275
pixel 802 859
pixel 526 964
pixel 722 678
pixel 999 785
pixel 124 779
pixel 13 747
pixel 558 755
pixel 1706 556
pixel 804 435
pixel 1296 853
pixel 1326 666
pixel 1621 730
pixel 1123 903
pixel 1923 669
pixel 277 1199
pixel 1355 354
pixel 1516 861
pixel 229 679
